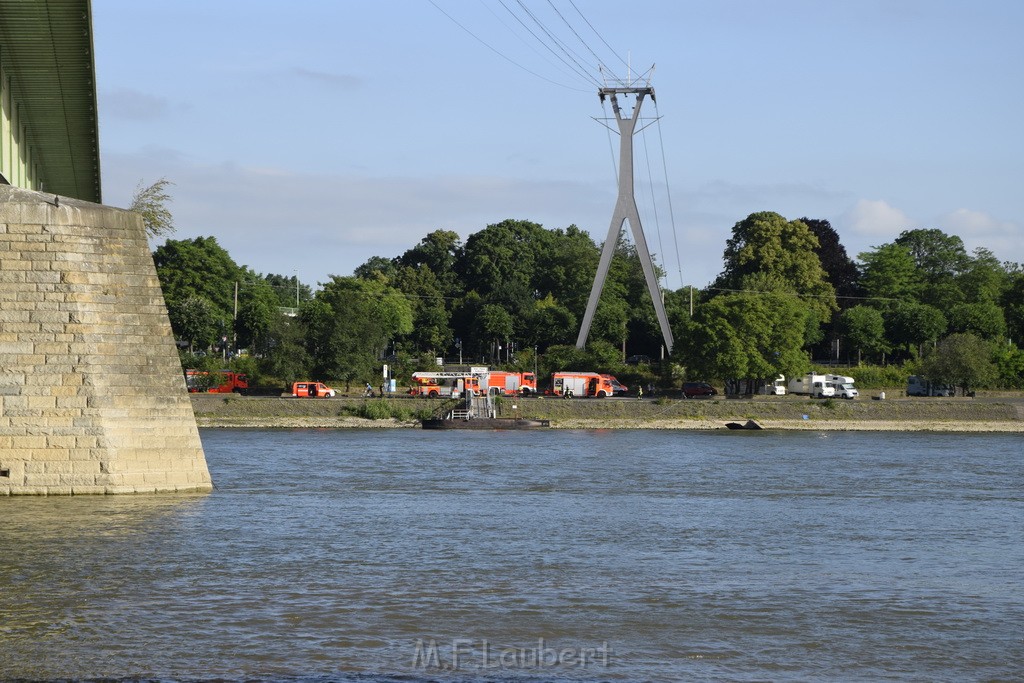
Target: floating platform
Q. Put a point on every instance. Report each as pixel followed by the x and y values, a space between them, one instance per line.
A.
pixel 485 423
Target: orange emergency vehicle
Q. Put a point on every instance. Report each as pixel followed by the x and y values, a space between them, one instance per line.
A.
pixel 447 384
pixel 503 383
pixel 199 381
pixel 576 384
pixel 312 390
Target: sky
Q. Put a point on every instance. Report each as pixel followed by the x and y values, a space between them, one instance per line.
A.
pixel 310 136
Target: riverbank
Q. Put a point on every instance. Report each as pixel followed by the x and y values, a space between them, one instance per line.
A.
pixel 981 414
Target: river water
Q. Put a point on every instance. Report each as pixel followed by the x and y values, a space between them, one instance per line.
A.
pixel 404 555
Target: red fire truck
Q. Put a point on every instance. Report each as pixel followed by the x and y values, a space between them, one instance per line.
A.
pixel 222 382
pixel 577 384
pixel 448 384
pixel 503 383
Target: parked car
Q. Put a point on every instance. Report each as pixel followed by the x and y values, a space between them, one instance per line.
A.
pixel 698 390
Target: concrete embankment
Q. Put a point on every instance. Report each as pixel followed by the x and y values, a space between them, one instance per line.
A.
pixel 1005 414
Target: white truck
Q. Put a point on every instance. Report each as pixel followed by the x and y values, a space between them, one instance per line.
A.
pixel 815 386
pixel 843 386
pixel 777 387
pixel 919 386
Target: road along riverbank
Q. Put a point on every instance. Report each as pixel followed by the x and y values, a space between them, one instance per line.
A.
pixel 981 414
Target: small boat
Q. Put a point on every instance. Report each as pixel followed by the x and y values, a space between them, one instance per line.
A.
pixel 485 423
pixel 749 424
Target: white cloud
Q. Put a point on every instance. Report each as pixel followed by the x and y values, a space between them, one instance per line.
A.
pixel 968 224
pixel 276 221
pixel 872 222
pixel 874 218
pixel 980 229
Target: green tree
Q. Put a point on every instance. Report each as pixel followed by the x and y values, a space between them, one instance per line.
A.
pixel 439 251
pixel 677 307
pixel 889 272
pixel 864 330
pixel 938 256
pixel 285 357
pixel 839 268
pixel 257 310
pixel 551 323
pixel 566 269
pixel 747 336
pixel 961 360
pixel 611 320
pixel 602 355
pixel 376 267
pixel 984 279
pixel 350 323
pixel 643 333
pixel 940 260
pixel 565 357
pixel 1012 301
pixel 911 325
pixel 151 203
pixel 496 324
pixel 318 320
pixel 984 319
pixel 289 291
pixel 1009 362
pixel 431 318
pixel 766 244
pixel 194 321
pixel 466 326
pixel 198 267
pixel 500 263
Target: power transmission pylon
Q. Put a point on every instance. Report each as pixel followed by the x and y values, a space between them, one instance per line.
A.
pixel 625 208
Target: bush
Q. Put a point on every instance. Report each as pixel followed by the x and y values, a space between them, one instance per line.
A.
pixel 1009 362
pixel 874 376
pixel 382 409
pixel 423 414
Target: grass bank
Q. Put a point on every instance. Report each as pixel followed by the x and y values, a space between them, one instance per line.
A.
pixel 787 412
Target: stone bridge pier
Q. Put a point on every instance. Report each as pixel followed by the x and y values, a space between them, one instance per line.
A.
pixel 92 398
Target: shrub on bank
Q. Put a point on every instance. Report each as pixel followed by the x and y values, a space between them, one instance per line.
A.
pixel 874 376
pixel 381 409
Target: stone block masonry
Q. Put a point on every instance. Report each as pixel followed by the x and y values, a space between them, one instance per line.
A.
pixel 92 397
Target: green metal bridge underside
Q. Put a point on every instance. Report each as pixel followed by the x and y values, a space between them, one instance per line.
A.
pixel 46 51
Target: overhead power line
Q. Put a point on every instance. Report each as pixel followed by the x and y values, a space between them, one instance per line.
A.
pixel 668 187
pixel 600 63
pixel 799 295
pixel 499 52
pixel 624 62
pixel 568 59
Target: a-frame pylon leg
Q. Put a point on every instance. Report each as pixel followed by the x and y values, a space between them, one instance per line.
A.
pixel 625 209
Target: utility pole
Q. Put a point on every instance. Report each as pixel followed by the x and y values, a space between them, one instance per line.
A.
pixel 234 326
pixel 625 208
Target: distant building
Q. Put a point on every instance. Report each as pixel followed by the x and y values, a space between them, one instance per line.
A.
pixel 49 130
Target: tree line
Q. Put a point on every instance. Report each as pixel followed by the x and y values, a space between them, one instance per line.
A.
pixel 513 294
